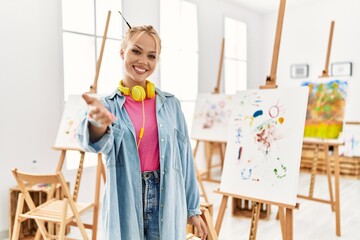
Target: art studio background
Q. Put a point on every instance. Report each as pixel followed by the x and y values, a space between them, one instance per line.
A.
pixel 36 69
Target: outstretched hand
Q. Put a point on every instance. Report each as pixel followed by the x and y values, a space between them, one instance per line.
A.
pixel 200 226
pixel 97 111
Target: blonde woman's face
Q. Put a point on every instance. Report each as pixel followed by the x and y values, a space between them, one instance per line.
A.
pixel 140 60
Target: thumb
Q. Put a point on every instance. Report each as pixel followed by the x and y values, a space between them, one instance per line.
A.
pixel 88 99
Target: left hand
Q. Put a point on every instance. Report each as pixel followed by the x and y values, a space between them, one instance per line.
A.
pixel 200 226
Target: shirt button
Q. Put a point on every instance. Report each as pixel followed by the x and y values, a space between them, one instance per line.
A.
pixel 162 139
pixel 162 156
pixel 163 172
pixel 161 220
pixel 160 125
pixel 162 205
pixel 162 189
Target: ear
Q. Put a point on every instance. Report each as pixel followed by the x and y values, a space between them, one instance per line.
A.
pixel 122 54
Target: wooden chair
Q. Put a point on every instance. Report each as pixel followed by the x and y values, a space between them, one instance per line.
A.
pixel 55 211
pixel 207 218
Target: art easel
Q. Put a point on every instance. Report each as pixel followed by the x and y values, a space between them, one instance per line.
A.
pixel 100 169
pixel 286 219
pixel 211 145
pixel 324 145
pixel 325 72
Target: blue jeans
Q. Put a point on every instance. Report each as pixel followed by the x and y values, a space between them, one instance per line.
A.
pixel 151 195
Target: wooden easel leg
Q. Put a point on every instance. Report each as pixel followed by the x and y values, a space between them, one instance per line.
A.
pixel 103 172
pixel 61 161
pixel 196 149
pixel 282 221
pixel 202 188
pixel 328 173
pixel 222 154
pixel 254 220
pixel 337 190
pixel 78 176
pixel 198 175
pixel 313 171
pixel 97 197
pixel 289 224
pixel 208 153
pixel 221 213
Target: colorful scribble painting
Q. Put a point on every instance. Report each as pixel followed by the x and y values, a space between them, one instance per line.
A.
pixel 263 153
pixel 211 117
pixel 74 111
pixel 326 105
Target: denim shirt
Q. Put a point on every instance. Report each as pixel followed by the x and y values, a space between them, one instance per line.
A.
pixel 122 210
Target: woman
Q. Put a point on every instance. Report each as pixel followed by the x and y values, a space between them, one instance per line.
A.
pixel 151 190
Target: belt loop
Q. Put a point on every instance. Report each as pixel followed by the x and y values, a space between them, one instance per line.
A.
pixel 156 174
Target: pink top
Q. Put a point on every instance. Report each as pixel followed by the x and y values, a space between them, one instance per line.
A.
pixel 149 144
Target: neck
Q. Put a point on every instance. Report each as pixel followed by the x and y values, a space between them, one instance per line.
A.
pixel 129 82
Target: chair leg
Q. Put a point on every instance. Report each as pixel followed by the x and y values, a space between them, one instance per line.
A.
pixel 63 221
pixel 80 224
pixel 17 223
pixel 37 235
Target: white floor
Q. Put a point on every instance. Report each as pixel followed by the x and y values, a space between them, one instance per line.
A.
pixel 313 220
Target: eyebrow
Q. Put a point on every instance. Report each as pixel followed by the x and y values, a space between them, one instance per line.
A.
pixel 143 49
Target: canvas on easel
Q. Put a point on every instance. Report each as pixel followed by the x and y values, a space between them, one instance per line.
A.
pixel 211 117
pixel 326 105
pixel 210 121
pixel 263 153
pixel 74 111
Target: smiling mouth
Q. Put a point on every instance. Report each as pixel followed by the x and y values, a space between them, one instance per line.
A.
pixel 139 70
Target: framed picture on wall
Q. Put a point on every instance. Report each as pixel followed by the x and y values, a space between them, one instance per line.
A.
pixel 299 70
pixel 341 69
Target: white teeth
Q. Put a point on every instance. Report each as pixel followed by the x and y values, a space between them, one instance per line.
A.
pixel 141 70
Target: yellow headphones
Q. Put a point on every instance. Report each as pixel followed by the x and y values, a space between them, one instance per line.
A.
pixel 137 92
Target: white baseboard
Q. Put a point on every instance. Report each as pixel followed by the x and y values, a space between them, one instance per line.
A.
pixel 4 234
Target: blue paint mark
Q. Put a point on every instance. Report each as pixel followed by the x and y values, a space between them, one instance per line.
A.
pixel 258 113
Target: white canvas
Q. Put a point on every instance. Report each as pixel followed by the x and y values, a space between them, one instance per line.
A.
pixel 263 152
pixel 74 111
pixel 211 117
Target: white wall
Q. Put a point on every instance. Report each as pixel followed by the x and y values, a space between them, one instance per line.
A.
pixel 305 40
pixel 31 89
pixel 211 32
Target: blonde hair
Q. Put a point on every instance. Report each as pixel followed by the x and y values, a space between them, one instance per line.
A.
pixel 134 33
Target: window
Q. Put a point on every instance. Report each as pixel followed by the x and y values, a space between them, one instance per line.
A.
pixel 83 29
pixel 179 57
pixel 235 56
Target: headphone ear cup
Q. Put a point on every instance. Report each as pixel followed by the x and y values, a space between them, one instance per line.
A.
pixel 150 90
pixel 124 90
pixel 138 93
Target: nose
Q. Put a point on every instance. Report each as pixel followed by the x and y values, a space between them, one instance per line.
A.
pixel 143 60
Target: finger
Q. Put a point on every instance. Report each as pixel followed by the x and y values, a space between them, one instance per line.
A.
pixel 88 99
pixel 104 118
pixel 94 112
pixel 204 230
